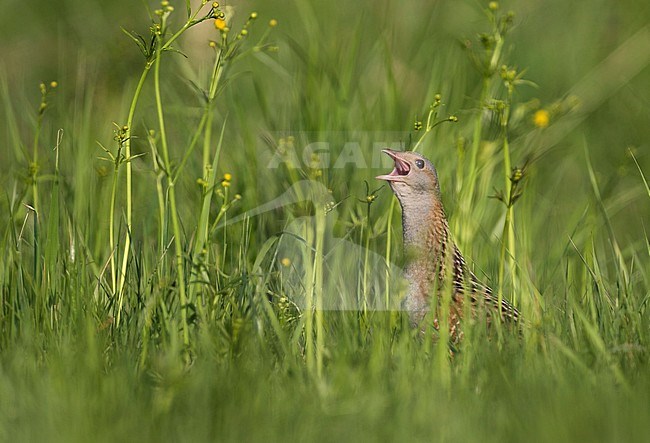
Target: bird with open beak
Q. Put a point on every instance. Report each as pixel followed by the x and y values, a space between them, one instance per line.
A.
pixel 433 263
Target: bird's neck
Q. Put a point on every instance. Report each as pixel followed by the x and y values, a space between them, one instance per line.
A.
pixel 426 237
pixel 425 227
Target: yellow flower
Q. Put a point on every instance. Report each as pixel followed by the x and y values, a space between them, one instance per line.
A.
pixel 285 262
pixel 227 176
pixel 541 118
pixel 53 84
pixel 273 23
pixel 220 24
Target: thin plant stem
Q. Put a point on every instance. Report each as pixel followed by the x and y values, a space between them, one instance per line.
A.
pixel 34 182
pixel 310 270
pixel 111 228
pixel 467 196
pixel 160 193
pixel 318 290
pixel 129 190
pixel 507 240
pixel 389 248
pixel 172 202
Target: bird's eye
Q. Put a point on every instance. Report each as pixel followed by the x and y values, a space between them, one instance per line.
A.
pixel 419 163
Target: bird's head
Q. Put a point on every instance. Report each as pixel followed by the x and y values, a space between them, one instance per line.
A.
pixel 412 177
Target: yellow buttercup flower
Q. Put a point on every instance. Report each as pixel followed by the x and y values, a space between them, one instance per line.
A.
pixel 542 118
pixel 220 24
pixel 285 262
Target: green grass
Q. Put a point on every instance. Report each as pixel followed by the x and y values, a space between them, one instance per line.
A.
pixel 152 311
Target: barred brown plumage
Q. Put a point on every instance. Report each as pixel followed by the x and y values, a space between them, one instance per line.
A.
pixel 427 241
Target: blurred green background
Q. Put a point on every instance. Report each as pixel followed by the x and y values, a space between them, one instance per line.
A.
pixel 343 69
pixel 381 62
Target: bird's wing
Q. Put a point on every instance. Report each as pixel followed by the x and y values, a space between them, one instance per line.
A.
pixel 466 281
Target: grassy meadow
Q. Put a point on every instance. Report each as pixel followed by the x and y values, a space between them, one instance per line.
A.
pixel 193 246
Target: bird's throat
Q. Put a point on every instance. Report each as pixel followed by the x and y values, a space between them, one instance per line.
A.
pixel 424 225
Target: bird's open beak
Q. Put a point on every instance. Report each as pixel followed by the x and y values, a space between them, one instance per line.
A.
pixel 401 169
